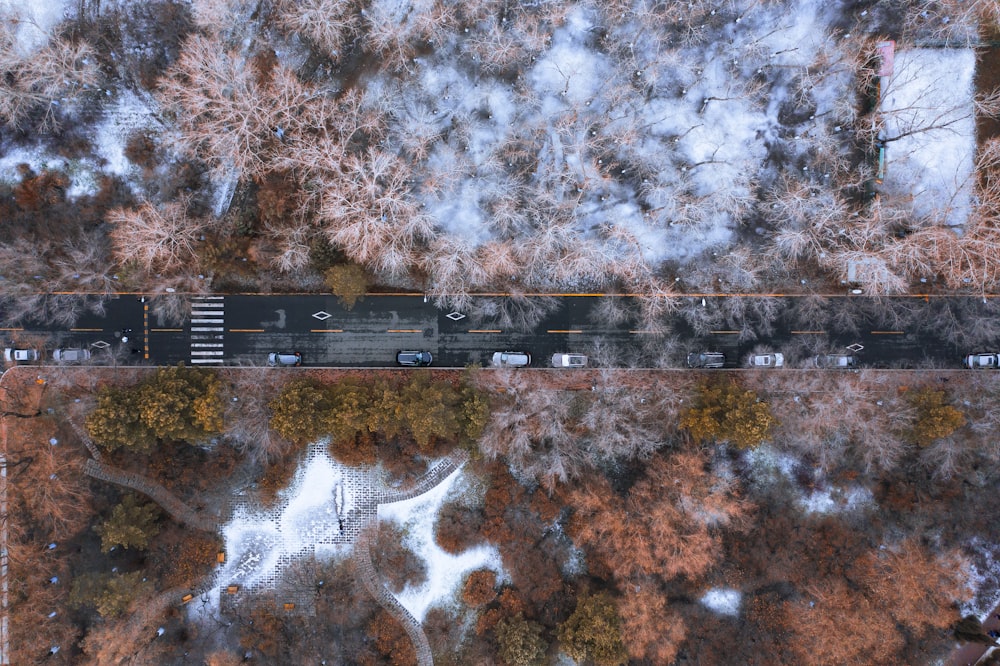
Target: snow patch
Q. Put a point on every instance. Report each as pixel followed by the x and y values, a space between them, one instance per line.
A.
pixel 307 520
pixel 723 600
pixel 444 571
pixel 833 500
pixel 128 114
pixel 984 579
pixel 930 126
pixel 36 20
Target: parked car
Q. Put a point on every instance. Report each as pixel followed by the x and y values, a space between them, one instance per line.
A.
pixel 834 361
pixel 71 355
pixel 976 361
pixel 706 360
pixel 414 358
pixel 510 359
pixel 766 360
pixel 13 355
pixel 284 358
pixel 569 361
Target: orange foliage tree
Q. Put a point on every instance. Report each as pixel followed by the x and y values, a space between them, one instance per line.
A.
pixel 668 524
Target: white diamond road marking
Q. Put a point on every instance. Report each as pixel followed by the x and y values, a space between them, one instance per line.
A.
pixel 855 347
pixel 100 344
pixel 455 316
pixel 207 324
pixel 321 315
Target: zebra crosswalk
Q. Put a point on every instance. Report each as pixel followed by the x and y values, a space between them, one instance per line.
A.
pixel 206 329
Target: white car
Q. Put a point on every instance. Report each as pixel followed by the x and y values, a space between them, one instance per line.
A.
pixel 70 355
pixel 766 360
pixel 977 361
pixel 511 359
pixel 569 361
pixel 12 355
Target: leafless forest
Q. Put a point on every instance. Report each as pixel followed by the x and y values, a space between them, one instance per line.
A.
pixel 452 148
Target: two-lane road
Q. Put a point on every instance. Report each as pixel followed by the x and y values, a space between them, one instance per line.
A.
pixel 244 329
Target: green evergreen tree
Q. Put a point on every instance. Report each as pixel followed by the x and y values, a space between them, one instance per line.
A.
pixel 429 410
pixel 348 282
pixel 593 632
pixel 116 423
pixel 177 403
pixel 520 642
pixel 110 594
pixel 131 525
pixel 935 417
pixel 182 403
pixel 297 414
pixel 724 412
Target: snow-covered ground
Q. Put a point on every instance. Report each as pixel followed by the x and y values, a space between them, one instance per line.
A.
pixel 319 515
pixel 691 118
pixel 723 600
pixel 260 543
pixel 444 570
pixel 771 466
pixel 929 116
pixel 984 579
pixel 37 18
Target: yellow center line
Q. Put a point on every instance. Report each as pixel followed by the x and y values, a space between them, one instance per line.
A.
pixel 246 330
pixel 484 330
pixel 166 330
pixel 888 332
pixel 648 331
pixel 87 329
pixel 723 332
pixel 11 329
pixel 808 332
pixel 562 331
pixel 404 330
pixel 326 330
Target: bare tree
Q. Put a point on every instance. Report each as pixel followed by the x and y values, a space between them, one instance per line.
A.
pixel 60 70
pixel 329 24
pixel 226 111
pixel 247 417
pixel 158 237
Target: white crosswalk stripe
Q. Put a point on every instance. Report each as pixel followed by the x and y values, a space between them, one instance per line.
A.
pixel 205 330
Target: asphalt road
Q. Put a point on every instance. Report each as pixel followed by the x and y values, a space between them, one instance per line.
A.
pixel 243 329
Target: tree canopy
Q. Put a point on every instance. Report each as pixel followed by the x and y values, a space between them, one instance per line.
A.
pixel 935 418
pixel 724 412
pixel 177 403
pixel 131 525
pixel 348 282
pixel 593 632
pixel 352 414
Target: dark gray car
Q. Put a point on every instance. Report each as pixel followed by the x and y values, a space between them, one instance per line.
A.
pixel 706 360
pixel 414 358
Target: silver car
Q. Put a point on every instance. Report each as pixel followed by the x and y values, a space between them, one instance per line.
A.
pixel 284 359
pixel 511 359
pixel 71 355
pixel 766 360
pixel 569 361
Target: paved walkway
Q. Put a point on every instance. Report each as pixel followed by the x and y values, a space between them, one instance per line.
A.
pixel 177 509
